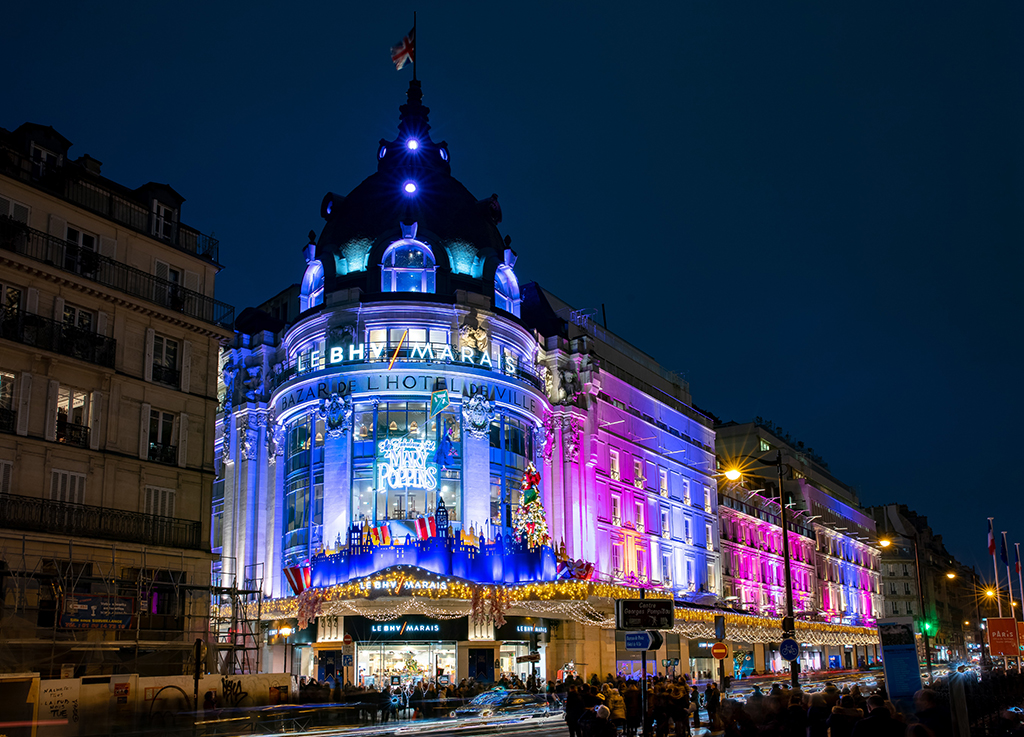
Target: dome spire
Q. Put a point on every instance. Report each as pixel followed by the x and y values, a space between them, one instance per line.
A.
pixel 414 114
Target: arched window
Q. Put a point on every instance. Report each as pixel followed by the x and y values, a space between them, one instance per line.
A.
pixel 506 290
pixel 312 293
pixel 408 266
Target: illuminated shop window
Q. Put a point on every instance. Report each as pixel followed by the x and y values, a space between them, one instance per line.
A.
pixel 506 290
pixel 408 266
pixel 420 344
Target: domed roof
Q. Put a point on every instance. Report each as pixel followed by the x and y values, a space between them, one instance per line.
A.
pixel 413 184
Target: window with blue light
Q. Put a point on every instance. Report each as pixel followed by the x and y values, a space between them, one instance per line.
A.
pixel 312 292
pixel 304 490
pixel 408 266
pixel 506 290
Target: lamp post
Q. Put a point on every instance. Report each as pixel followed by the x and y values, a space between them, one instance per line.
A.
pixel 920 597
pixel 788 624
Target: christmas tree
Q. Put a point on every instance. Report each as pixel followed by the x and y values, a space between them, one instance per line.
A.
pixel 529 521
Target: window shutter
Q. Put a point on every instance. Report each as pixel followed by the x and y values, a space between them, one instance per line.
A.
pixel 58 227
pixel 108 247
pixel 147 365
pixel 5 207
pixel 152 219
pixel 192 281
pixel 149 500
pixel 20 213
pixel 31 300
pixel 101 323
pixel 169 502
pixel 24 397
pixel 58 309
pixel 5 477
pixel 95 403
pixel 182 440
pixel 51 410
pixel 55 479
pixel 144 432
pixel 161 269
pixel 186 365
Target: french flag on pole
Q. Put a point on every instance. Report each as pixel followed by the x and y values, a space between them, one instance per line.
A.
pixel 1018 560
pixel 991 539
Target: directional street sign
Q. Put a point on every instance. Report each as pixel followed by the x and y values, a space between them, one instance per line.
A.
pixel 789 649
pixel 645 614
pixel 638 641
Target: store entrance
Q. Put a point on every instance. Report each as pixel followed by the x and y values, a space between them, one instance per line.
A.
pixel 406 663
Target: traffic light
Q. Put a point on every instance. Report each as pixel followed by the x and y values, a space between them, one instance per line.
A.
pixel 929 628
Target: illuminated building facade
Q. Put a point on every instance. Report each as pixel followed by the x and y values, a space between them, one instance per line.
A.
pixel 391 423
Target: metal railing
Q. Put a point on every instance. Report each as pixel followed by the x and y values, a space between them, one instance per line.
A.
pixel 163 453
pixel 166 375
pixel 83 520
pixel 68 184
pixel 52 335
pixel 71 434
pixel 57 252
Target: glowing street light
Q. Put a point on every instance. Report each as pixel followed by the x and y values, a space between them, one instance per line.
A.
pixel 951 575
pixel 990 593
pixel 733 475
pixel 885 543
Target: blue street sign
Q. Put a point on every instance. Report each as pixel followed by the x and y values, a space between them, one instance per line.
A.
pixel 789 649
pixel 346 660
pixel 638 640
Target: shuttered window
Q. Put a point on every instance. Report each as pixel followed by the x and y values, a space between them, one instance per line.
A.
pixel 67 486
pixel 6 470
pixel 160 501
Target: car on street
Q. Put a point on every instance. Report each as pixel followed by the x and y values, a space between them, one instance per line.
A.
pixel 501 702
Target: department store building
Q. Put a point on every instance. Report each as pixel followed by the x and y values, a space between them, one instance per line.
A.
pixel 390 424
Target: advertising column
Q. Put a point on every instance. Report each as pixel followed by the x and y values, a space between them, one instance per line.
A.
pixel 899 658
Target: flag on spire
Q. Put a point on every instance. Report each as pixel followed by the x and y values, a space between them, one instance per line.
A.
pixel 1003 555
pixel 991 539
pixel 405 50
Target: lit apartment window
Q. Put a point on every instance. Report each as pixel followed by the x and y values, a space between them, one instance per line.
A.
pixel 690 583
pixel 764 446
pixel 687 533
pixel 165 361
pixel 616 509
pixel 613 464
pixel 666 569
pixel 10 298
pixel 666 524
pixel 639 509
pixel 707 499
pixel 686 491
pixel 638 473
pixel 72 417
pixel 663 482
pixel 641 564
pixel 161 437
pixel 617 560
pixel 709 536
pixel 711 576
pixel 76 317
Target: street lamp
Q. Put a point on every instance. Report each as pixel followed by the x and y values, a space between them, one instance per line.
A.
pixel 951 575
pixel 788 624
pixel 925 625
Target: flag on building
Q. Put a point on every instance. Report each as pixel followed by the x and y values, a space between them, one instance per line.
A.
pixel 991 539
pixel 405 50
pixel 298 578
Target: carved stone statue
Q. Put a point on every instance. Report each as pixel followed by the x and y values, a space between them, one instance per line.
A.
pixel 473 337
pixel 477 413
pixel 253 383
pixel 337 411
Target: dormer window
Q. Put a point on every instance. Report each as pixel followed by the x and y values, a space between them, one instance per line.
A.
pixel 163 221
pixel 43 161
pixel 408 266
pixel 506 290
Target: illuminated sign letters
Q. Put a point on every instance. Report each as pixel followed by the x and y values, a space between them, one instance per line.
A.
pixel 404 464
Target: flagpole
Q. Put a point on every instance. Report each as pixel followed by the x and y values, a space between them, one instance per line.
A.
pixel 995 567
pixel 1009 587
pixel 414 42
pixel 1020 579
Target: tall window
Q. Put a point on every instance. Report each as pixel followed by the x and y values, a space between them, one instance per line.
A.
pixel 709 536
pixel 617 559
pixel 616 509
pixel 6 401
pixel 160 501
pixel 666 528
pixel 408 266
pixel 686 491
pixel 711 576
pixel 641 564
pixel 10 298
pixel 613 464
pixel 638 472
pixel 763 445
pixel 687 532
pixel 14 210
pixel 66 486
pixel 707 499
pixel 638 507
pixel 165 361
pixel 690 583
pixel 161 437
pixel 666 569
pixel 80 253
pixel 506 290
pixel 163 223
pixel 72 416
pixel 663 482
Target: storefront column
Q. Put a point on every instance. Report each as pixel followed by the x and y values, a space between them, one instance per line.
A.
pixel 760 652
pixel 272 573
pixel 476 484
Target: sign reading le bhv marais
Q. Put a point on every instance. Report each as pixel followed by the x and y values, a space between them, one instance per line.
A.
pixel 899 657
pixel 645 614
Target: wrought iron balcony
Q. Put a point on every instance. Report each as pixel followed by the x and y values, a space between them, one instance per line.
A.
pixel 56 252
pixel 163 453
pixel 8 419
pixel 83 520
pixel 51 335
pixel 69 184
pixel 71 434
pixel 166 375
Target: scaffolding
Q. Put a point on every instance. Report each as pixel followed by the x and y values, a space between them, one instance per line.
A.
pixel 87 607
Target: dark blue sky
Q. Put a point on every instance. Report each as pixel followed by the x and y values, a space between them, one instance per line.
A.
pixel 811 211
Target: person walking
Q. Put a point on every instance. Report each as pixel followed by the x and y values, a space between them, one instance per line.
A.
pixel 712 700
pixel 574 710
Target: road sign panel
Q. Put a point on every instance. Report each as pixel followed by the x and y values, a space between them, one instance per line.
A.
pixel 346 661
pixel 651 640
pixel 347 640
pixel 789 649
pixel 645 614
pixel 719 651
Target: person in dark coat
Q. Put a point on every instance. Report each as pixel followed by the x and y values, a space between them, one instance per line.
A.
pixel 931 714
pixel 879 721
pixel 712 699
pixel 633 716
pixel 843 718
pixel 573 711
pixel 817 716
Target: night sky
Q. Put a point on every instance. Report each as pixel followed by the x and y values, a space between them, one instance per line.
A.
pixel 810 211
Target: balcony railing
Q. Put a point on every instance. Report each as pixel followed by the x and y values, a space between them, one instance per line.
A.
pixel 71 434
pixel 166 375
pixel 83 520
pixel 8 419
pixel 70 185
pixel 51 335
pixel 56 252
pixel 163 453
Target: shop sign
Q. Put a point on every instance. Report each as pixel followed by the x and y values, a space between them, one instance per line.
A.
pixel 426 352
pixel 521 628
pixel 97 612
pixel 411 628
pixel 700 648
pixel 396 584
pixel 404 464
pixel 1002 637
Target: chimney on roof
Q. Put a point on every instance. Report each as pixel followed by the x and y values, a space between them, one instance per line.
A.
pixel 91 165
